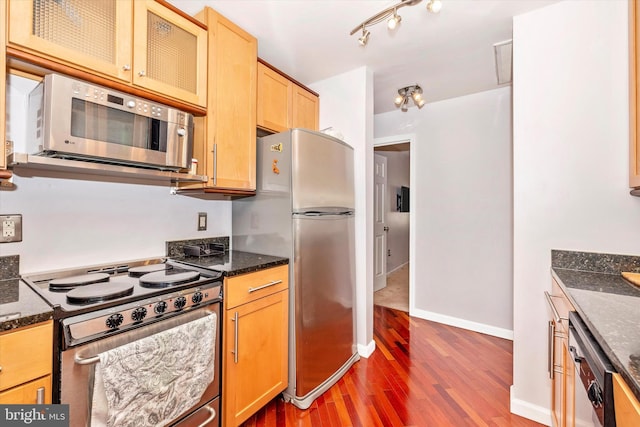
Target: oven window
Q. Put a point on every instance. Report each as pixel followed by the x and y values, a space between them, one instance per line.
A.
pixel 100 123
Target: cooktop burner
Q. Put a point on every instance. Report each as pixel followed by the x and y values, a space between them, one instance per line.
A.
pixel 71 282
pixel 144 269
pixel 98 293
pixel 82 290
pixel 166 278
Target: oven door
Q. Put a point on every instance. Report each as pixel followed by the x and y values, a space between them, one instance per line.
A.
pixel 77 372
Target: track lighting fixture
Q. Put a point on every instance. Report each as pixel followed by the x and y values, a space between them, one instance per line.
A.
pixel 414 92
pixel 390 15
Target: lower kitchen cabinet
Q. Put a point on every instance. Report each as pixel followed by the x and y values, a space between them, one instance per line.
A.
pixel 25 364
pixel 627 407
pixel 255 350
pixel 561 369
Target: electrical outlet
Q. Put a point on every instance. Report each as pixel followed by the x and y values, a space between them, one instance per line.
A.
pixel 11 227
pixel 202 221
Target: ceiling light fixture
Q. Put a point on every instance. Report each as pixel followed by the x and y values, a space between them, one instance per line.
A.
pixel 414 92
pixel 390 15
pixel 394 21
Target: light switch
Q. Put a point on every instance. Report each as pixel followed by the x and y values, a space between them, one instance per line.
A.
pixel 202 221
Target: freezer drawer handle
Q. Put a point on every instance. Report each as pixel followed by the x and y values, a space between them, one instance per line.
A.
pixel 275 282
pixel 211 417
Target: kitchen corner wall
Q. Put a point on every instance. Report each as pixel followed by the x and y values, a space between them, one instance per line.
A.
pixel 354 119
pixel 461 207
pixel 70 222
pixel 570 117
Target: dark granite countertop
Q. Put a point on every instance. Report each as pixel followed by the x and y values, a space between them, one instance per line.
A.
pixel 607 303
pixel 233 263
pixel 21 306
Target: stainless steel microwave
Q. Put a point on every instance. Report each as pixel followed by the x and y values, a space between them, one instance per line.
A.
pixel 73 119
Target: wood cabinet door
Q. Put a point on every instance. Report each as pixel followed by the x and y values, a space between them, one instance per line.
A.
pixel 274 100
pixel 255 356
pixel 26 354
pixel 92 35
pixel 233 57
pixel 305 109
pixel 169 53
pixel 27 394
pixel 627 407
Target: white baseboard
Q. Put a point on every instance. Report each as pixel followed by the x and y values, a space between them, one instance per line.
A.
pixel 461 323
pixel 367 350
pixel 397 268
pixel 529 410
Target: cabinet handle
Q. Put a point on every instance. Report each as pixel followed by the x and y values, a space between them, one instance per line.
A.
pixel 141 73
pixel 275 282
pixel 215 164
pixel 126 67
pixel 556 315
pixel 551 347
pixel 40 396
pixel 235 338
pixel 0 368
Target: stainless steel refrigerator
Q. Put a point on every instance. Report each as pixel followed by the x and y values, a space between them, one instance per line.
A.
pixel 304 210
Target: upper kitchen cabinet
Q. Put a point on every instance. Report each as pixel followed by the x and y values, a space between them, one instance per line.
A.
pixel 282 103
pixel 634 99
pixel 225 140
pixel 142 44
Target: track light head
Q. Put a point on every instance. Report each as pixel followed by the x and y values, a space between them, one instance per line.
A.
pixel 365 37
pixel 394 21
pixel 434 6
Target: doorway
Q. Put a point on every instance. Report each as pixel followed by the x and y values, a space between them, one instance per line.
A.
pixel 392 222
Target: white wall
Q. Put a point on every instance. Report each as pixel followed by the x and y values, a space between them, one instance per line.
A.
pixel 570 116
pixel 461 202
pixel 355 121
pixel 70 222
pixel 398 222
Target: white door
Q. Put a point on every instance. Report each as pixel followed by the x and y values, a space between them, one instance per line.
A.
pixel 379 218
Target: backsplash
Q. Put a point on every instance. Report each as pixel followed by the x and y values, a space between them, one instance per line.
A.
pixel 174 248
pixel 596 262
pixel 9 267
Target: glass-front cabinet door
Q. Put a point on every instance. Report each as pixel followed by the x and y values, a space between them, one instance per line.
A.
pixel 95 35
pixel 170 53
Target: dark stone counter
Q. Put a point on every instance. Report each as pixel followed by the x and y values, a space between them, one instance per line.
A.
pixel 19 305
pixel 608 304
pixel 231 263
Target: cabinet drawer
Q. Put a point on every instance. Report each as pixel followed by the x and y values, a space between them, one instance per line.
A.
pixel 25 354
pixel 249 287
pixel 27 394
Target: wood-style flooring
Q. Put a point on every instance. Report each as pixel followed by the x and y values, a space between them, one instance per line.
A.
pixel 421 374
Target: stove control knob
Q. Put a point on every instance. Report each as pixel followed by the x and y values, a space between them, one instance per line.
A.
pixel 180 302
pixel 160 307
pixel 138 314
pixel 114 321
pixel 197 297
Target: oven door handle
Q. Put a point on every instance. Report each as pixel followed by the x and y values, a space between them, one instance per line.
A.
pixel 80 360
pixel 86 360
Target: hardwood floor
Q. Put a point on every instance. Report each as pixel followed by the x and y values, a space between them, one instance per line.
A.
pixel 421 374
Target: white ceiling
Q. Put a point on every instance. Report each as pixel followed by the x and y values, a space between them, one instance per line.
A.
pixel 449 54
